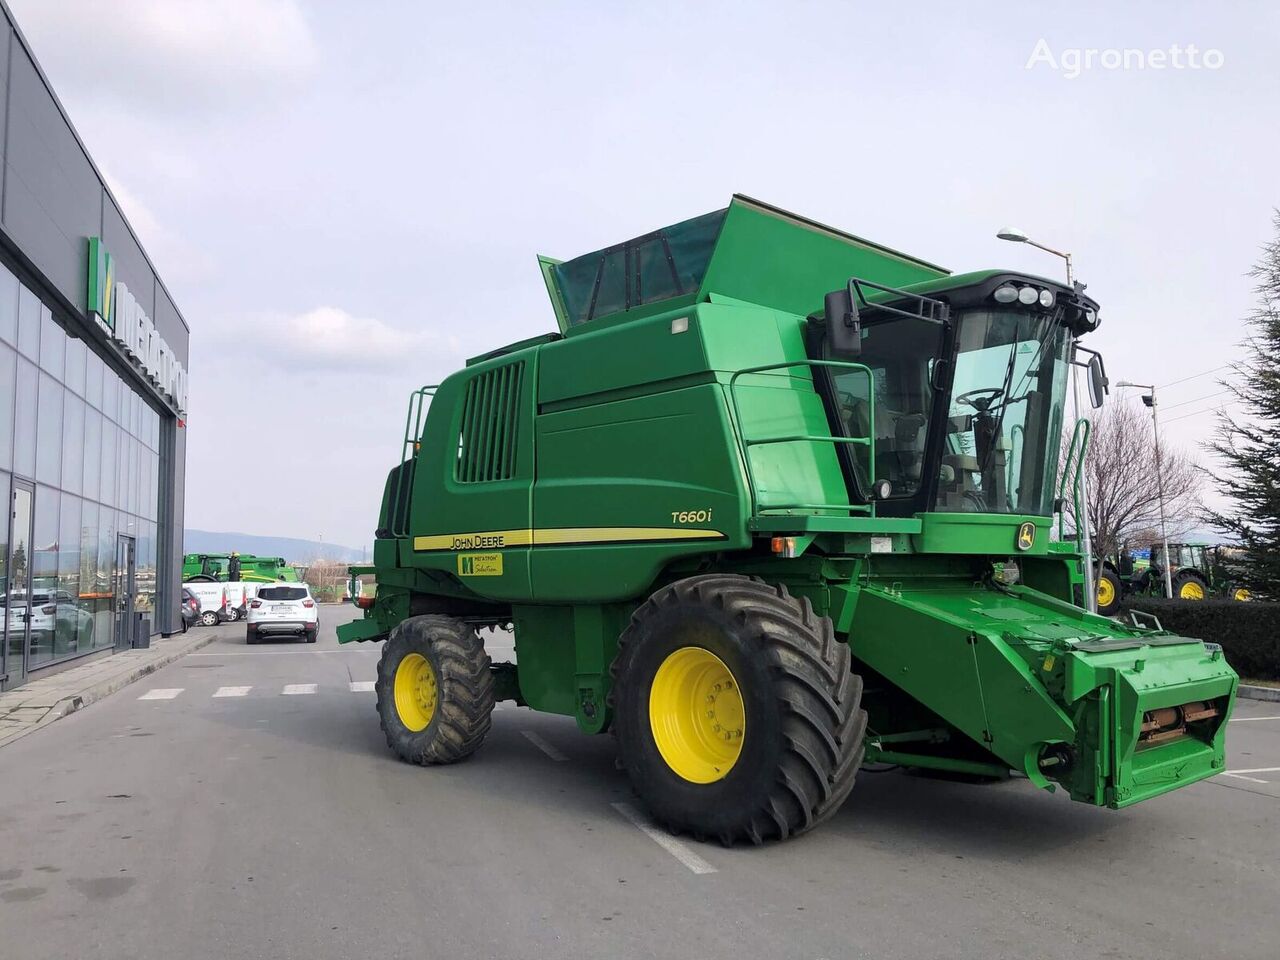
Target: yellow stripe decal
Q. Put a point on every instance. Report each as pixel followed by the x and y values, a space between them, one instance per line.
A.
pixel 559 536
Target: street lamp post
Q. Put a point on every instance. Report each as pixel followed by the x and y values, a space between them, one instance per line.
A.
pixel 1150 400
pixel 1014 235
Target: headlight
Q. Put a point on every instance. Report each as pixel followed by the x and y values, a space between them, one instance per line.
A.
pixel 1006 294
pixel 1028 295
pixel 1046 298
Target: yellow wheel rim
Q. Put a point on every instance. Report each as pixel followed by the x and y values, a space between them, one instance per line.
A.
pixel 697 716
pixel 1191 590
pixel 416 692
pixel 1241 594
pixel 1106 593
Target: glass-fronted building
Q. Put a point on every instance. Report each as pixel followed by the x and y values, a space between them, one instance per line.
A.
pixel 93 358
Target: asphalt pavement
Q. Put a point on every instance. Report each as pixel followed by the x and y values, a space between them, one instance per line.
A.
pixel 241 803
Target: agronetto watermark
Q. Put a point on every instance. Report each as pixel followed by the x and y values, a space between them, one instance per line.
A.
pixel 1071 62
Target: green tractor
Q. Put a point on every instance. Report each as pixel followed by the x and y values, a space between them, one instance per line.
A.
pixel 216 567
pixel 1199 570
pixel 774 503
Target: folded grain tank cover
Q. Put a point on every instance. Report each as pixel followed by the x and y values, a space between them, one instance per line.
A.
pixel 748 251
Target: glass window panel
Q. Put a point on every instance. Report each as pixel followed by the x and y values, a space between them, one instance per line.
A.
pixel 94 591
pixel 74 377
pixel 53 343
pixel 93 379
pixel 24 422
pixel 123 442
pixel 153 486
pixel 92 466
pixel 137 414
pixel 8 306
pixel 107 485
pixel 6 494
pixel 49 432
pixel 8 386
pixel 44 575
pixel 110 393
pixel 106 574
pixel 67 628
pixel 133 501
pixel 28 323
pixel 72 443
pixel 146 572
pixel 156 420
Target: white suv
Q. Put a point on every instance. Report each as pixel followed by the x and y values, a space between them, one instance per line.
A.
pixel 282 609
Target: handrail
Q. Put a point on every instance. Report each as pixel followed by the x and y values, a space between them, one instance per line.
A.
pixel 413 424
pixel 1073 467
pixel 746 443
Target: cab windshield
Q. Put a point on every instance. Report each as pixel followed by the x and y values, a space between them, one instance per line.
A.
pixel 1005 413
pixel 1003 416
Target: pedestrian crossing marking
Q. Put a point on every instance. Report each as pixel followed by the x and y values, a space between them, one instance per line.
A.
pixel 232 691
pixel 162 693
pixel 298 689
pixel 361 686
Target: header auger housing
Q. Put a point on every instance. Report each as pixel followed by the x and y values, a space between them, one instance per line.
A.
pixel 765 535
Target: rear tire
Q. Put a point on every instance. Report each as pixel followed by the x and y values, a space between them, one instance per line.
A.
pixel 250 636
pixel 232 615
pixel 1189 586
pixel 1109 592
pixel 435 690
pixel 797 721
pixel 311 635
pixel 209 618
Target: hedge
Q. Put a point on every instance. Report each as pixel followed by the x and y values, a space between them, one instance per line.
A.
pixel 1249 631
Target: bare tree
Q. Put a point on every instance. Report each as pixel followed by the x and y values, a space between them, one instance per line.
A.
pixel 1124 495
pixel 326 578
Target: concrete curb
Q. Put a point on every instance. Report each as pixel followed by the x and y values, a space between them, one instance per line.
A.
pixel 1250 692
pixel 104 688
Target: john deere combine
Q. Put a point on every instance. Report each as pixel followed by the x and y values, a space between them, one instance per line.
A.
pixel 775 502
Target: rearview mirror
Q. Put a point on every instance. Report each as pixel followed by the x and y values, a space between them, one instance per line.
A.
pixel 1097 381
pixel 843 326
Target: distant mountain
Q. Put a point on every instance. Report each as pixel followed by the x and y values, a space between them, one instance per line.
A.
pixel 295 551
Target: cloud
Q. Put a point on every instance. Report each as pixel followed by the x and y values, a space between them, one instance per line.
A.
pixel 171 54
pixel 332 338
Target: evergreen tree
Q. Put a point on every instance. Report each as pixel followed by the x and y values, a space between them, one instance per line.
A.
pixel 1248 446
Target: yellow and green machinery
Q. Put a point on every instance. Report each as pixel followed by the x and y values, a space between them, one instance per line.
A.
pixel 773 503
pixel 236 566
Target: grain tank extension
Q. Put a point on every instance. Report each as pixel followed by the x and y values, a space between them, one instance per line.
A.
pixel 773 503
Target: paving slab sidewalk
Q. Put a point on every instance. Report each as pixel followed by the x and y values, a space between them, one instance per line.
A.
pixel 40 702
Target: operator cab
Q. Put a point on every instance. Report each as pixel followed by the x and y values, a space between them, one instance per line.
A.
pixel 965 398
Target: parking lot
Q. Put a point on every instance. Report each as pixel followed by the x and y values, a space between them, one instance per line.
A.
pixel 243 800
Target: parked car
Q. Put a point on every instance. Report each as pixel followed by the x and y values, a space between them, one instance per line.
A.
pixel 212 598
pixel 190 608
pixel 282 609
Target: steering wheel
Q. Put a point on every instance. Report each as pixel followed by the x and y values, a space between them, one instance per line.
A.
pixel 980 399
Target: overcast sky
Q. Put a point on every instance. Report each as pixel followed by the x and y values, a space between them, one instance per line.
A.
pixel 346 199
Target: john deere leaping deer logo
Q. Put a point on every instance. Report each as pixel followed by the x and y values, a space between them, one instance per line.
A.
pixel 1026 536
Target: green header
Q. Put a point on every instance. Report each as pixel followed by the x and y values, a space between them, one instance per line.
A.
pixel 102 280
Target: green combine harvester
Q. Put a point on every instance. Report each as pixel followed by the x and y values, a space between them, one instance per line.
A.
pixel 776 502
pixel 217 567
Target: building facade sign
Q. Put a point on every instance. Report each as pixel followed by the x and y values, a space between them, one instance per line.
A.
pixel 121 317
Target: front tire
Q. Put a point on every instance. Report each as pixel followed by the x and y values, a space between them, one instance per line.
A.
pixel 1109 592
pixel 1189 586
pixel 736 711
pixel 435 690
pixel 209 618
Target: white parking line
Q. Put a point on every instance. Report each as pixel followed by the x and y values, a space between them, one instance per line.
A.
pixel 298 689
pixel 545 747
pixel 1249 719
pixel 1240 776
pixel 162 693
pixel 361 686
pixel 232 691
pixel 664 840
pixel 1257 770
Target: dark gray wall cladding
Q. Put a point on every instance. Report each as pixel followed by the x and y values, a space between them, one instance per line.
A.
pixel 6 37
pixel 169 322
pixel 131 263
pixel 52 196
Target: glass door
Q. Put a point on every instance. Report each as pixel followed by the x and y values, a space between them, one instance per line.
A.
pixel 16 556
pixel 125 590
